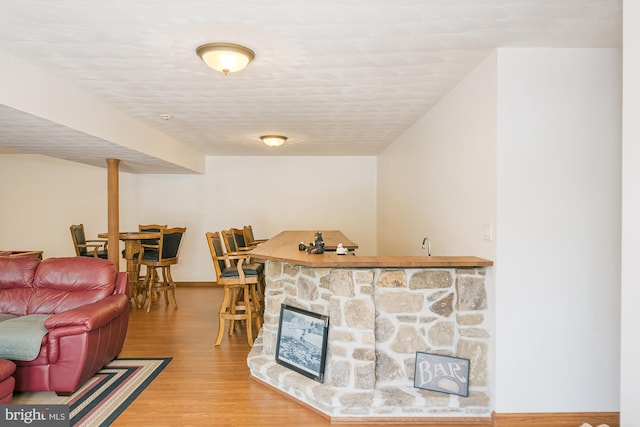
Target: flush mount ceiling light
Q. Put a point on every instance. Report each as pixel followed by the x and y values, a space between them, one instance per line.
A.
pixel 273 140
pixel 225 57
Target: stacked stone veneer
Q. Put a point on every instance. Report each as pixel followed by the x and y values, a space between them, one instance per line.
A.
pixel 379 319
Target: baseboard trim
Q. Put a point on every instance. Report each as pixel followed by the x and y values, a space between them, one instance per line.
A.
pixel 421 421
pixel 556 419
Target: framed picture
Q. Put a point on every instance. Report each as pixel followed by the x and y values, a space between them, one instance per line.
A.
pixel 445 374
pixel 302 341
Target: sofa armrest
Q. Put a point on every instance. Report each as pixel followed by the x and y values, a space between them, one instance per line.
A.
pixel 82 320
pixel 90 316
pixel 122 284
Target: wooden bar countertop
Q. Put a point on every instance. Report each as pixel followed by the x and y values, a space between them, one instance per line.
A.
pixel 284 247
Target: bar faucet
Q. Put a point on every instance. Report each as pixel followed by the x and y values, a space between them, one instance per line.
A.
pixel 426 242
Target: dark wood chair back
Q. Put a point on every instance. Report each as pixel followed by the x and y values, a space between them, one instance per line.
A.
pixel 95 248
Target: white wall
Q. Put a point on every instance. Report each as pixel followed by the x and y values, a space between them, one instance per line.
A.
pixel 558 246
pixel 438 179
pixel 630 350
pixel 549 136
pixel 41 197
pixel 270 193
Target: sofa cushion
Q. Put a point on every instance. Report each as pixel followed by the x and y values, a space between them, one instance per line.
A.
pixel 61 284
pixel 16 283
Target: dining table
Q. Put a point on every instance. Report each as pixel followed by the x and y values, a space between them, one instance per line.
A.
pixel 132 248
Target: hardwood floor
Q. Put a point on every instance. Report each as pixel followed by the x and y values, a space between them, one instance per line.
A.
pixel 204 385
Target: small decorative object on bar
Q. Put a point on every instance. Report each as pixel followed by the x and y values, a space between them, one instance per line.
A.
pixel 445 374
pixel 341 250
pixel 302 341
pixel 315 247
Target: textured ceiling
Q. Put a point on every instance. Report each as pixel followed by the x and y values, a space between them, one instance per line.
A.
pixel 337 77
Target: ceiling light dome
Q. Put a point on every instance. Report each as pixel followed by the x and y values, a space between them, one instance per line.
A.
pixel 273 140
pixel 225 57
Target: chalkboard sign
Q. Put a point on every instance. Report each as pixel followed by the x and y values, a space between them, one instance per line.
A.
pixel 445 374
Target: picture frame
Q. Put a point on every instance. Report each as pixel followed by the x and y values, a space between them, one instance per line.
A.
pixel 445 374
pixel 302 341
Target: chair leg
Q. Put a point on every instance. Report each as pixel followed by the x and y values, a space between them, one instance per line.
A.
pixel 260 287
pixel 240 302
pixel 142 289
pixel 224 305
pixel 152 278
pixel 247 305
pixel 257 306
pixel 135 286
pixel 170 287
pixel 233 308
pixel 138 290
pixel 162 286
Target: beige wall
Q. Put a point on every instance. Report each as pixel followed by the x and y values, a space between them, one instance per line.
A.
pixel 438 179
pixel 630 294
pixel 558 241
pixel 271 193
pixel 41 197
pixel 529 143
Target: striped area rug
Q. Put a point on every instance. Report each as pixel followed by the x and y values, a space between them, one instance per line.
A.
pixel 104 396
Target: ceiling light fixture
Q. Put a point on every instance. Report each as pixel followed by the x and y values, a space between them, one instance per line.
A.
pixel 225 57
pixel 273 140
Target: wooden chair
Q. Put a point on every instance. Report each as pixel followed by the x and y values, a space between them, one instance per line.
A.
pixel 240 281
pixel 151 227
pixel 231 239
pixel 163 256
pixel 231 243
pixel 150 245
pixel 95 248
pixel 238 237
pixel 248 236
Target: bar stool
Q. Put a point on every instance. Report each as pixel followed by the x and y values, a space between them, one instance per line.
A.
pixel 163 256
pixel 240 281
pixel 248 236
pixel 150 245
pixel 231 242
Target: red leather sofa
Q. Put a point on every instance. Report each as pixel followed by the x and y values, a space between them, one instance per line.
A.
pixel 7 382
pixel 89 305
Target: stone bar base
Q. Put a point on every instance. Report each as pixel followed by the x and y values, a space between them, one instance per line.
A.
pixel 379 319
